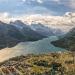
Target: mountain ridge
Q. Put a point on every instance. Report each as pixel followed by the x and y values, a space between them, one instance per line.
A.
pixel 11 36
pixel 67 41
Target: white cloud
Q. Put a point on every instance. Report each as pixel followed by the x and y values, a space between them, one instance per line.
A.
pixel 5 17
pixel 56 0
pixel 23 0
pixel 40 1
pixel 4 14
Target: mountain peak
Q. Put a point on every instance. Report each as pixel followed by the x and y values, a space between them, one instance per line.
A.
pixel 17 22
pixel 70 14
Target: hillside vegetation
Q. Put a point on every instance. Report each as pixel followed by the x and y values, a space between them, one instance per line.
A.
pixel 43 64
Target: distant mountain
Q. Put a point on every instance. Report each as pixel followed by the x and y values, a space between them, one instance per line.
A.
pixel 45 31
pixel 10 35
pixel 70 14
pixel 67 41
pixel 27 31
pixel 41 29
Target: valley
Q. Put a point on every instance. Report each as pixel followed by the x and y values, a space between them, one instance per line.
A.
pixel 25 48
pixel 37 37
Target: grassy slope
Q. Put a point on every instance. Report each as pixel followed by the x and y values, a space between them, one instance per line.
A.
pixel 40 64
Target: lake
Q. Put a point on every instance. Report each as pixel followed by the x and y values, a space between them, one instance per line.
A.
pixel 24 48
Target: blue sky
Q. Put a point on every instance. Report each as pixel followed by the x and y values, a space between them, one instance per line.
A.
pixel 52 7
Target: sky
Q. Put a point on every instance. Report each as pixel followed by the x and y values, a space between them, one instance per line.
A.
pixel 52 7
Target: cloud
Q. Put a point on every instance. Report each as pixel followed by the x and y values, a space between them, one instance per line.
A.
pixel 68 3
pixel 71 4
pixel 56 0
pixel 24 0
pixel 40 1
pixel 26 6
pixel 4 14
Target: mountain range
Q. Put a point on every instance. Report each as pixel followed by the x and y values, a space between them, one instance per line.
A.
pixel 46 31
pixel 15 32
pixel 10 35
pixel 33 28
